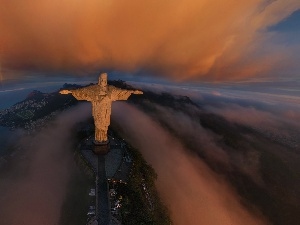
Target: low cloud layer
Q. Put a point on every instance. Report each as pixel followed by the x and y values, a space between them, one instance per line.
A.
pixel 268 107
pixel 193 193
pixel 183 40
pixel 34 187
pixel 255 125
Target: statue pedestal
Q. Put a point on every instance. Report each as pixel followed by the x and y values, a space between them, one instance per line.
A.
pixel 100 148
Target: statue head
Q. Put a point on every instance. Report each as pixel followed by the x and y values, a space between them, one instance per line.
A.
pixel 103 80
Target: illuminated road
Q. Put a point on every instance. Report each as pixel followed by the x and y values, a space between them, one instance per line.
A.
pixel 102 195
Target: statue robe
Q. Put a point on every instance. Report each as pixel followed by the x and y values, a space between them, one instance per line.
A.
pixel 101 105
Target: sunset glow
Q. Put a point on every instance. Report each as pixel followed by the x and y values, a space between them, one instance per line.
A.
pixel 183 40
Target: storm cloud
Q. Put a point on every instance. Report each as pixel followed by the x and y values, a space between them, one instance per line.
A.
pixel 181 40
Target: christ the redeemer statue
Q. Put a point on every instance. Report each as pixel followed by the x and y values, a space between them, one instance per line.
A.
pixel 101 95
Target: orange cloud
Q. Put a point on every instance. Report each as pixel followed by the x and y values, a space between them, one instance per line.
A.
pixel 190 39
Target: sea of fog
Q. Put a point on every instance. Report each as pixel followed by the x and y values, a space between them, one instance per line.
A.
pixel 5 137
pixel 272 92
pixel 283 91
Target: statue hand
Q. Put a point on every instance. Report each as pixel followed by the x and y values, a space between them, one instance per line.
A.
pixel 137 92
pixel 65 92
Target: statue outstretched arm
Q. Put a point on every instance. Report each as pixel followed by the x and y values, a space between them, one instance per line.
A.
pixel 65 92
pixel 137 92
pixel 123 94
pixel 79 94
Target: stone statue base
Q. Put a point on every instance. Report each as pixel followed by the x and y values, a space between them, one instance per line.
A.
pixel 101 148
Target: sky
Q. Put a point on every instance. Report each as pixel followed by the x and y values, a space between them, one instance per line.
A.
pixel 190 40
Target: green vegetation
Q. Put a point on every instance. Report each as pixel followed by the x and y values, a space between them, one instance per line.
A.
pixel 141 204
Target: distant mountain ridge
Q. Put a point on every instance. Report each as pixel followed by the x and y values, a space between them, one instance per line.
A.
pixel 36 105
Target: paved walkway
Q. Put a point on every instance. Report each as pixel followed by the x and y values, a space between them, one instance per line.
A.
pixel 102 195
pixel 104 166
